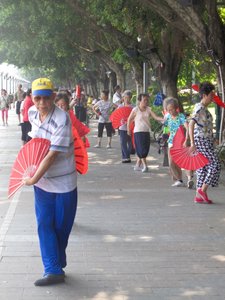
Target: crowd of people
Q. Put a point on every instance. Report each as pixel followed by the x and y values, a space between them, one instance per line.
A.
pixel 43 113
pixel 132 140
pixel 198 128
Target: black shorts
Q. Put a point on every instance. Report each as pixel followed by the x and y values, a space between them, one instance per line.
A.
pixel 18 104
pixel 142 143
pixel 81 113
pixel 108 127
pixel 25 127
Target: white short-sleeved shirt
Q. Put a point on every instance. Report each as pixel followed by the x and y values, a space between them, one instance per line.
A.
pixel 104 108
pixel 142 119
pixel 61 177
pixel 117 99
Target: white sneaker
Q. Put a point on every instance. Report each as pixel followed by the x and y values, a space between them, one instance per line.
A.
pixel 97 146
pixel 137 168
pixel 145 169
pixel 108 147
pixel 178 184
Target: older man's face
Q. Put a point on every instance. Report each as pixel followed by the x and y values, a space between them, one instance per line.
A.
pixel 44 104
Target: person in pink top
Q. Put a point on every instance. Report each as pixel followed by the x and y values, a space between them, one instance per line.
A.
pixel 26 126
pixel 4 107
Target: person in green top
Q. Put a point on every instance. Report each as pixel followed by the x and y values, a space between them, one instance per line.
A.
pixel 173 120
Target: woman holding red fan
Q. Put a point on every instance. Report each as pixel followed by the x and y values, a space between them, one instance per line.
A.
pixel 141 115
pixel 125 139
pixel 173 120
pixel 201 137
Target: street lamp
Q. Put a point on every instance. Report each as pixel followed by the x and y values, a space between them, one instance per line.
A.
pixel 108 73
pixel 145 71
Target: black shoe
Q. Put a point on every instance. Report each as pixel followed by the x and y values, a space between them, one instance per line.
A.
pixel 50 279
pixel 126 160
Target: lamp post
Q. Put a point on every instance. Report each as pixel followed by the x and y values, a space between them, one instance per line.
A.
pixel 145 77
pixel 145 71
pixel 108 73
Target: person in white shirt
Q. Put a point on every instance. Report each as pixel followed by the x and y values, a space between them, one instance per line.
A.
pixel 55 181
pixel 117 97
pixel 102 110
pixel 141 116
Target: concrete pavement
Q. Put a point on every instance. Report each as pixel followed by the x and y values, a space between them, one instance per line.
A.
pixel 135 237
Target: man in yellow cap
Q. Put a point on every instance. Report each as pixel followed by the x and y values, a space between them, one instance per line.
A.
pixel 55 181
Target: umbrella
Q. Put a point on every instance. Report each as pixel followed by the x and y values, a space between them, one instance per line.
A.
pixel 27 163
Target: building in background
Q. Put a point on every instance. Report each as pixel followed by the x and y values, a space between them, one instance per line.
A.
pixel 10 78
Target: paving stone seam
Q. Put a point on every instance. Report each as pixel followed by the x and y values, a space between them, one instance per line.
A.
pixel 8 219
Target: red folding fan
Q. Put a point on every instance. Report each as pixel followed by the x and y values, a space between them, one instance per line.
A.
pixel 80 153
pixel 195 87
pixel 188 160
pixel 120 115
pixel 182 156
pixel 218 101
pixel 179 138
pixel 80 127
pixel 78 91
pixel 27 163
pixel 86 143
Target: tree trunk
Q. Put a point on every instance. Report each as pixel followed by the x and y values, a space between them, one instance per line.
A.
pixel 169 84
pixel 172 46
pixel 221 122
pixel 200 22
pixel 138 74
pixel 121 79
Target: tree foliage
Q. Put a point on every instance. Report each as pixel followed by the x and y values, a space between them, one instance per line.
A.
pixel 65 38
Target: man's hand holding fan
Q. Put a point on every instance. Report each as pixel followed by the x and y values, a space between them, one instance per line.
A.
pixel 27 163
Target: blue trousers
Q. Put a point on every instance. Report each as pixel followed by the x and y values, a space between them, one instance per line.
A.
pixel 126 144
pixel 55 214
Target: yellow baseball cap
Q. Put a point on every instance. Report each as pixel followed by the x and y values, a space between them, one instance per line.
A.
pixel 42 87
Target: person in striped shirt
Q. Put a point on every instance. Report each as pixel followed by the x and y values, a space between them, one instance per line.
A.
pixel 55 181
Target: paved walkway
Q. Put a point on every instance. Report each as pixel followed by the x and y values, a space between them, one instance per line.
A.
pixel 135 237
